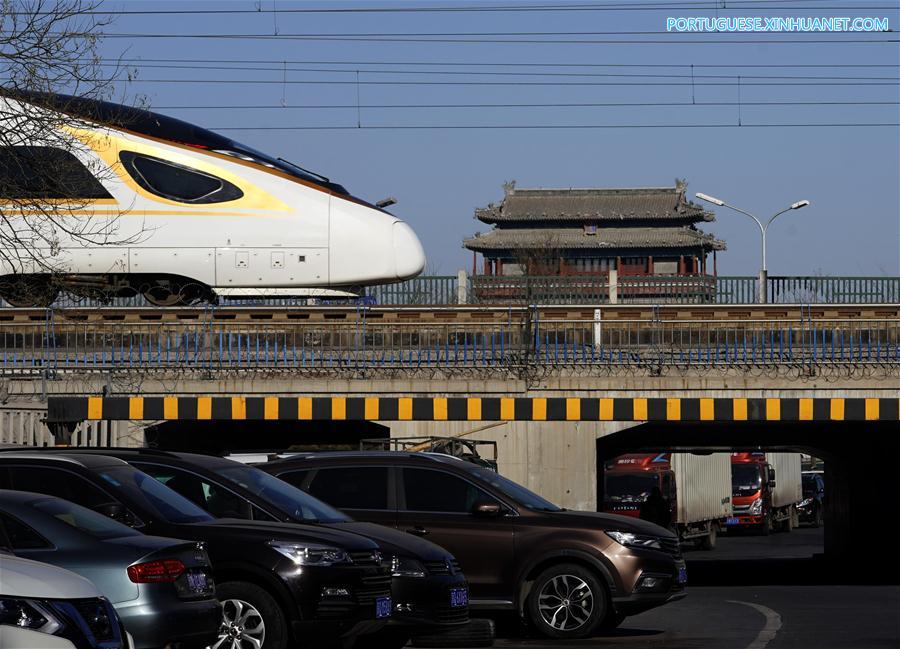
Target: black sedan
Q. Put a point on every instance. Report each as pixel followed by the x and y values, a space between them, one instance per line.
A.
pixel 161 588
pixel 429 591
pixel 279 584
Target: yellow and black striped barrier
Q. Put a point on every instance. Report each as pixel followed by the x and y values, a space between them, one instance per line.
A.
pixel 68 409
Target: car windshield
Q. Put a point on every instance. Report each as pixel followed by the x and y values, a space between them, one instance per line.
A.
pixel 517 492
pixel 629 487
pixel 745 477
pixel 152 496
pixel 292 501
pixel 82 519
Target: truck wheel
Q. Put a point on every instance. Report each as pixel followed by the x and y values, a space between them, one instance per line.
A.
pixel 567 601
pixel 708 542
pixel 765 528
pixel 250 617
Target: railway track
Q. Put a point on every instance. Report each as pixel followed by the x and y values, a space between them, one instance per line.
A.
pixel 452 314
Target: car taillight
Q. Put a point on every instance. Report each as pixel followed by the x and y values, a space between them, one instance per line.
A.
pixel 156 572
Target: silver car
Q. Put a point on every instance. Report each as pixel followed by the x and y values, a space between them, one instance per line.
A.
pixel 161 588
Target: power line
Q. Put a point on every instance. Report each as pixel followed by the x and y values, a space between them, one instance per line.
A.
pixel 524 64
pixel 530 105
pixel 720 5
pixel 682 39
pixel 637 84
pixel 398 127
pixel 282 68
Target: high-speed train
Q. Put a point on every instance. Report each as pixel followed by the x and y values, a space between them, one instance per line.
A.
pixel 175 212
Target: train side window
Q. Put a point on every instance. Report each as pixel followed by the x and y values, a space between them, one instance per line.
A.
pixel 37 172
pixel 176 182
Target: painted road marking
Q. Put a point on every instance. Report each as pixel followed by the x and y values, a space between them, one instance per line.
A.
pixel 773 624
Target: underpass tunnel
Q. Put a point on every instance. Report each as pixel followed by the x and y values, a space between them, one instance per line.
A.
pixel 861 478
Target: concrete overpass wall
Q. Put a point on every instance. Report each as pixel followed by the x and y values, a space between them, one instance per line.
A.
pixel 554 459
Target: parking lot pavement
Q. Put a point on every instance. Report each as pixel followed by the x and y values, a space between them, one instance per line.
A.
pixel 798 544
pixel 764 617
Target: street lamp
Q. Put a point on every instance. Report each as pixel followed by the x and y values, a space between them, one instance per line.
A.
pixel 764 272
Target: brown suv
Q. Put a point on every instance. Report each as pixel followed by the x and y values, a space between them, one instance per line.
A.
pixel 569 573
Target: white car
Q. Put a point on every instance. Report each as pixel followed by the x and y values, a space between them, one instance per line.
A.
pixel 45 607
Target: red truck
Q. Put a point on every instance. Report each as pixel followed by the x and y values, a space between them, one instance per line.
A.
pixel 766 488
pixel 689 494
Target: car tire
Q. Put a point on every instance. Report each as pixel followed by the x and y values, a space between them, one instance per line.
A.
pixel 817 519
pixel 261 614
pixel 567 601
pixel 478 632
pixel 384 639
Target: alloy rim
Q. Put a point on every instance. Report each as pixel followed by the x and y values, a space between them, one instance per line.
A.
pixel 242 626
pixel 566 602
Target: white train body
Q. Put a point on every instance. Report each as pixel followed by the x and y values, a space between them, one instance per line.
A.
pixel 279 231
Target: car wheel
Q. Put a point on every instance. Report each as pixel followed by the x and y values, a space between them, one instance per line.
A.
pixel 817 518
pixel 567 601
pixel 251 618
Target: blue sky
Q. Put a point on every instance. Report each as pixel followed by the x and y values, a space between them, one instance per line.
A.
pixel 440 176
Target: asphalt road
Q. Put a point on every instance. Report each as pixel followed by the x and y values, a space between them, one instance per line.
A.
pixel 804 612
pixel 759 617
pixel 800 543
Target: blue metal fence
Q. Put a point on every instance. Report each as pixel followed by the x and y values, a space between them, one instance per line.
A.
pixel 53 347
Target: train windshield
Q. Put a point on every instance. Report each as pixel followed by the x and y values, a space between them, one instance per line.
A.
pixel 168 128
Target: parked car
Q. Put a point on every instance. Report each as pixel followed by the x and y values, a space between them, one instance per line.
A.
pixel 46 607
pixel 812 508
pixel 568 573
pixel 428 589
pixel 278 583
pixel 162 589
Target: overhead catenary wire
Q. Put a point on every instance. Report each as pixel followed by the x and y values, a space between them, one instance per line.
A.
pixel 700 5
pixel 550 126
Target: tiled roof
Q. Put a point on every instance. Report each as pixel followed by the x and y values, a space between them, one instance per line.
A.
pixel 652 203
pixel 608 238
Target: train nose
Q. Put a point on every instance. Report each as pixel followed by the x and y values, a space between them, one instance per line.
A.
pixel 409 256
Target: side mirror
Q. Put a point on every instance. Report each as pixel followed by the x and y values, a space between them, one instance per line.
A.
pixel 486 508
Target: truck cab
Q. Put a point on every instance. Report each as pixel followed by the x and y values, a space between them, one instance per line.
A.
pixel 633 484
pixel 765 491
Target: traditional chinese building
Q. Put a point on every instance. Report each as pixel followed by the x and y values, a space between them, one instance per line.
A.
pixel 588 232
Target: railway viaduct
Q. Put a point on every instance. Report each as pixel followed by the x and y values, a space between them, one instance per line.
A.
pixel 559 389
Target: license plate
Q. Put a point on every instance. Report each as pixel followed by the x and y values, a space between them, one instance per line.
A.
pixel 383 607
pixel 198 582
pixel 459 597
pixel 682 575
pixel 733 520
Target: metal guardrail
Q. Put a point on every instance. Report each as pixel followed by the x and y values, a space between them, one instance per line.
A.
pixel 56 347
pixel 440 290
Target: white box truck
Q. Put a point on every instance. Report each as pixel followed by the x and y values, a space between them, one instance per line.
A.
pixel 687 493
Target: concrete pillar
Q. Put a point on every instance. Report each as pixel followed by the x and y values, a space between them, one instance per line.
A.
pixel 763 286
pixel 613 286
pixel 462 287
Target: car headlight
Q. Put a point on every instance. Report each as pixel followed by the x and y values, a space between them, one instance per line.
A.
pixel 28 614
pixel 310 554
pixel 632 540
pixel 806 502
pixel 756 506
pixel 406 567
